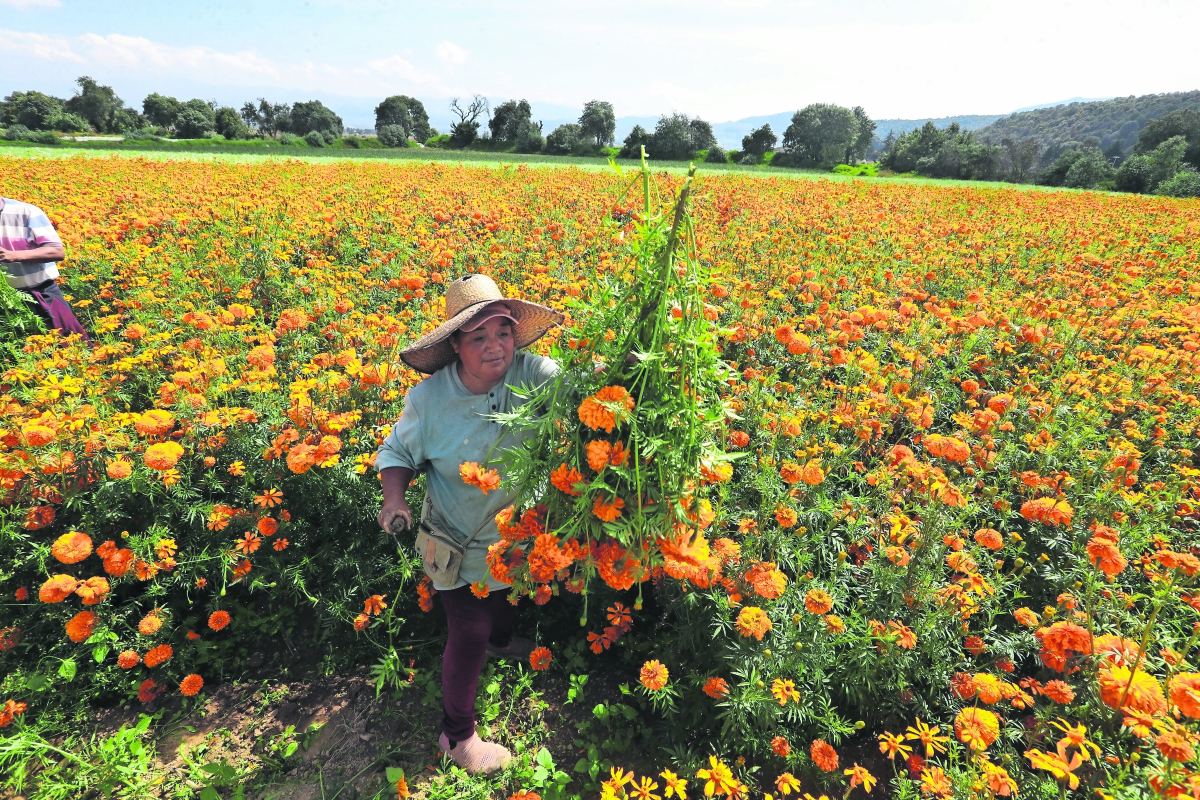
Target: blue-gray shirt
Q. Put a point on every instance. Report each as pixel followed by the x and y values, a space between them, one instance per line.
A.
pixel 444 425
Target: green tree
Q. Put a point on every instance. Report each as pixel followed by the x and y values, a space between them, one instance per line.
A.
pixel 563 139
pixel 1134 175
pixel 314 116
pixel 716 155
pixel 1088 171
pixel 638 138
pixel 161 110
pixel 599 121
pixel 392 135
pixel 1183 122
pixel 1022 157
pixel 229 124
pixel 269 119
pixel 1185 183
pixel 34 110
pixel 821 134
pixel 420 119
pixel 865 137
pixel 1166 160
pixel 702 134
pixel 529 137
pixel 508 119
pixel 191 123
pixel 393 112
pixel 759 142
pixel 100 107
pixel 677 138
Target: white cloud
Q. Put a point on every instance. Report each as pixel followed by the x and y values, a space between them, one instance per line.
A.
pixel 135 52
pixel 49 48
pixel 24 4
pixel 451 54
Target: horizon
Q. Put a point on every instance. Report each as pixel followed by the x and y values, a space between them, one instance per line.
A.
pixel 725 62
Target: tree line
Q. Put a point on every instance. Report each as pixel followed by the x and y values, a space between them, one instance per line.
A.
pixel 1165 159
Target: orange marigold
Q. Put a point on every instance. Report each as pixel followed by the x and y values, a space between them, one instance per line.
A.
pixel 598 453
pixel 818 601
pixel 93 590
pixel 155 422
pixel 564 479
pixel 766 579
pixel 81 625
pixel 1185 693
pixel 128 659
pixel 163 456
pixel 977 728
pixel 824 756
pixel 609 512
pixel 781 747
pixel 191 685
pixel 752 621
pixel 786 517
pixel 484 479
pixel 58 588
pixel 601 409
pixel 119 469
pixel 1058 691
pixel 540 658
pixel 218 620
pixel 150 624
pixel 1177 745
pixel 72 547
pixel 716 687
pixel 654 675
pixel 989 538
pixel 158 655
pixel 1104 551
pixel 1026 617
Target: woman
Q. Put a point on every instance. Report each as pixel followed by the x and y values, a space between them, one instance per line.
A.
pixel 475 359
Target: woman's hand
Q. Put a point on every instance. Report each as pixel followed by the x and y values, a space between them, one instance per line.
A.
pixel 395 482
pixel 394 510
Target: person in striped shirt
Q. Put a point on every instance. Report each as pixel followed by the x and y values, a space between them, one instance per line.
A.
pixel 30 248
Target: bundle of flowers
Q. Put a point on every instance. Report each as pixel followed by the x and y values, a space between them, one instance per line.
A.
pixel 624 451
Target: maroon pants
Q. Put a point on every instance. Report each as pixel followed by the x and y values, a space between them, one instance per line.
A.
pixel 473 622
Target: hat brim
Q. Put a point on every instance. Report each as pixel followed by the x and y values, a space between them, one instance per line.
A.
pixel 433 350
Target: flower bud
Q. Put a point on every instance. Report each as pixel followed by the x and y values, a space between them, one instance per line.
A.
pixel 858 726
pixel 767 652
pixel 1020 562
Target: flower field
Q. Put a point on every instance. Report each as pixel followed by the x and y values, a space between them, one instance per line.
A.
pixel 949 546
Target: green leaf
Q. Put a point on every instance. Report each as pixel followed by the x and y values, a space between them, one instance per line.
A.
pixel 99 652
pixel 581 765
pixel 394 774
pixel 209 793
pixel 291 748
pixel 35 682
pixel 544 758
pixel 67 670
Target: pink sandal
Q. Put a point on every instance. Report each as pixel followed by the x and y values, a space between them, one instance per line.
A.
pixel 474 755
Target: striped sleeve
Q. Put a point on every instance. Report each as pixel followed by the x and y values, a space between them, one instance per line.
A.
pixel 40 229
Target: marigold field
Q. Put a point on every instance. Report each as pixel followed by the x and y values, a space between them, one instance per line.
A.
pixel 950 542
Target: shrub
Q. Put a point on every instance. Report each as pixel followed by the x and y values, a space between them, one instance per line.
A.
pixel 563 139
pixel 716 155
pixel 392 135
pixel 287 138
pixel 439 142
pixel 529 138
pixel 315 139
pixel 638 138
pixel 193 124
pixel 1185 183
pixel 1134 175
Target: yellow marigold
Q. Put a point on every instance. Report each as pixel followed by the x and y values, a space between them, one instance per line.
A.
pixel 977 728
pixel 1144 692
pixel 752 621
pixel 654 675
pixel 81 625
pixel 58 588
pixel 594 414
pixel 72 547
pixel 163 456
pixel 834 624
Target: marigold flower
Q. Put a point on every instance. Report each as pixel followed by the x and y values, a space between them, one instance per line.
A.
pixel 1104 551
pixel 191 685
pixel 609 512
pixel 823 755
pixel 361 622
pixel 269 498
pixel 818 601
pixel 1141 691
pixel 859 776
pixel 1026 617
pixel 1058 691
pixel 267 526
pixel 39 517
pixel 718 779
pixel 784 690
pixel 989 538
pixel 157 655
pixel 786 517
pixel 37 435
pixel 72 547
pixel 218 620
pixel 483 479
pixel 653 675
pixel 565 478
pixel 93 590
pixel 163 456
pixel 752 621
pixel 977 728
pixel 766 580
pixel 128 659
pixel 781 747
pixel 58 588
pixel 834 624
pixel 374 604
pixel 1177 744
pixel 148 690
pixel 156 422
pixel 739 438
pixel 892 744
pixel 1185 693
pixel 1049 511
pixel 602 409
pixel 119 468
pixel 10 711
pixel 81 625
pixel 237 469
pixel 540 658
pixel 280 544
pixel 716 688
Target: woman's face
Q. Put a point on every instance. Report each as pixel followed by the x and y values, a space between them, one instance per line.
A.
pixel 486 352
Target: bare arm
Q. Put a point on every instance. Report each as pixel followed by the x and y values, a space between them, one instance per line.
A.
pixel 395 482
pixel 45 252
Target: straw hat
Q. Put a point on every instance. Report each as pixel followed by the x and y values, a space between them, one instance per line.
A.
pixel 465 298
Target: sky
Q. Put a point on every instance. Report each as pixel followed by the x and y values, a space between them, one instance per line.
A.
pixel 718 60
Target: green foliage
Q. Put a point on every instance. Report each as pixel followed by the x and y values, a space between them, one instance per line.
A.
pixel 19 133
pixel 529 137
pixel 314 116
pixel 161 110
pixel 509 119
pixel 758 142
pixel 38 112
pixel 949 153
pixel 407 112
pixel 80 766
pixel 100 107
pixel 17 320
pixel 599 121
pixel 441 141
pixel 866 134
pixel 392 135
pixel 394 115
pixel 821 134
pixel 1067 127
pixel 1088 171
pixel 1183 122
pixel 638 138
pixel 563 139
pixel 191 123
pixel 314 139
pixel 676 137
pixel 1185 183
pixel 716 155
pixel 229 124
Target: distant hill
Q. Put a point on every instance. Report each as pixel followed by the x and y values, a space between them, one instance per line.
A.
pixel 968 122
pixel 1105 122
